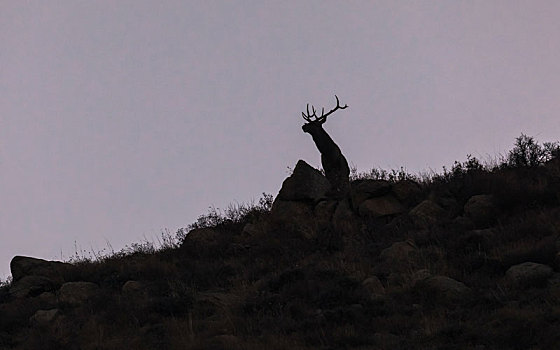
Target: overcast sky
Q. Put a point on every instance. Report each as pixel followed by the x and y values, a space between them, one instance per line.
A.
pixel 119 119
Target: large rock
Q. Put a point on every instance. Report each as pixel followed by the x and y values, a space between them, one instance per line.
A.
pixel 77 292
pixel 21 266
pixel 324 210
pixel 293 215
pixel 427 213
pixel 374 286
pixel 205 235
pixel 44 318
pixel 444 288
pixel 481 209
pixel 528 274
pixel 366 189
pixel 381 206
pixel 344 219
pixel 305 184
pixel 407 191
pixel 399 252
pixel 30 286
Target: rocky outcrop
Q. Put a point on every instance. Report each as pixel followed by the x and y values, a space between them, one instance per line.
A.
pixel 365 189
pixel 30 286
pixel 22 266
pixel 528 274
pixel 427 213
pixel 373 286
pixel 44 318
pixel 76 293
pixel 305 184
pixel 381 206
pixel 481 209
pixel 205 235
pixel 407 191
pixel 444 288
pixel 398 252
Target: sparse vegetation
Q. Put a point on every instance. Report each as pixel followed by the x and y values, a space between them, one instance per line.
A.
pixel 242 279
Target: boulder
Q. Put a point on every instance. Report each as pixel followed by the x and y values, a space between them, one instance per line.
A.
pixel 21 266
pixel 373 286
pixel 407 191
pixel 481 209
pixel 224 341
pixel 205 235
pixel 44 318
pixel 463 222
pixel 324 210
pixel 398 252
pixel 76 293
pixel 30 286
pixel 344 218
pixel 420 275
pixel 381 206
pixel 365 189
pixel 444 288
pixel 305 184
pixel 384 340
pixel 133 288
pixel 427 213
pixel 293 215
pixel 529 274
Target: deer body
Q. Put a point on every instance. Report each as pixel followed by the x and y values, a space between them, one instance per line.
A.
pixel 333 161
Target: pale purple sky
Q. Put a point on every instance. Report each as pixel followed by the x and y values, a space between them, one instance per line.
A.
pixel 119 119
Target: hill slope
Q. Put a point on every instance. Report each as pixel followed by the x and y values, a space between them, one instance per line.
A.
pixel 468 260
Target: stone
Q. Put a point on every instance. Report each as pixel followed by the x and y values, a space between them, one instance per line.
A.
pixel 205 235
pixel 554 280
pixel 47 298
pixel 366 189
pixel 133 288
pixel 420 275
pixel 381 206
pixel 22 266
pixel 481 209
pixel 427 214
pixel 225 341
pixel 293 215
pixel 373 286
pixel 44 317
pixel 444 288
pixel 407 191
pixel 463 222
pixel 76 293
pixel 305 184
pixel 529 274
pixel 324 210
pixel 398 252
pixel 385 340
pixel 30 286
pixel 344 219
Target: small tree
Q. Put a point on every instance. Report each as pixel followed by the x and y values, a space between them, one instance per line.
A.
pixel 528 153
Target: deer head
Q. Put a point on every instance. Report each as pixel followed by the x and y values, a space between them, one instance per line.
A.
pixel 314 122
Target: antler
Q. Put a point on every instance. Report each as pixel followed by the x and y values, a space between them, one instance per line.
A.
pixel 312 117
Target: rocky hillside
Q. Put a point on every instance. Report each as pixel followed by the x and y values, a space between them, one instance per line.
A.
pixel 467 260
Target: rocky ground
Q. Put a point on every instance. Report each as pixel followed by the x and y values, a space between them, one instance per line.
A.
pixel 465 261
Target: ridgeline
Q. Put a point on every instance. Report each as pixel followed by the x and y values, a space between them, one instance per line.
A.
pixel 467 259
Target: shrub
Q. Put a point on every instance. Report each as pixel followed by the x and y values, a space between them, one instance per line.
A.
pixel 233 214
pixel 529 153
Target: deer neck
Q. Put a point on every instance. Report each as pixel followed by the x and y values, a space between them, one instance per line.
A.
pixel 323 141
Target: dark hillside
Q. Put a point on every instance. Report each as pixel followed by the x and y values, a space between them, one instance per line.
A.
pixel 468 259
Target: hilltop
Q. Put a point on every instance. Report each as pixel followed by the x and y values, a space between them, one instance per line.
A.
pixel 467 259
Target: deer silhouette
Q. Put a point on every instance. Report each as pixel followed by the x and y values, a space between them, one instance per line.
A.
pixel 334 163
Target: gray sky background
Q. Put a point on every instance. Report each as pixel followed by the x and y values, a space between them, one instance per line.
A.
pixel 119 119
